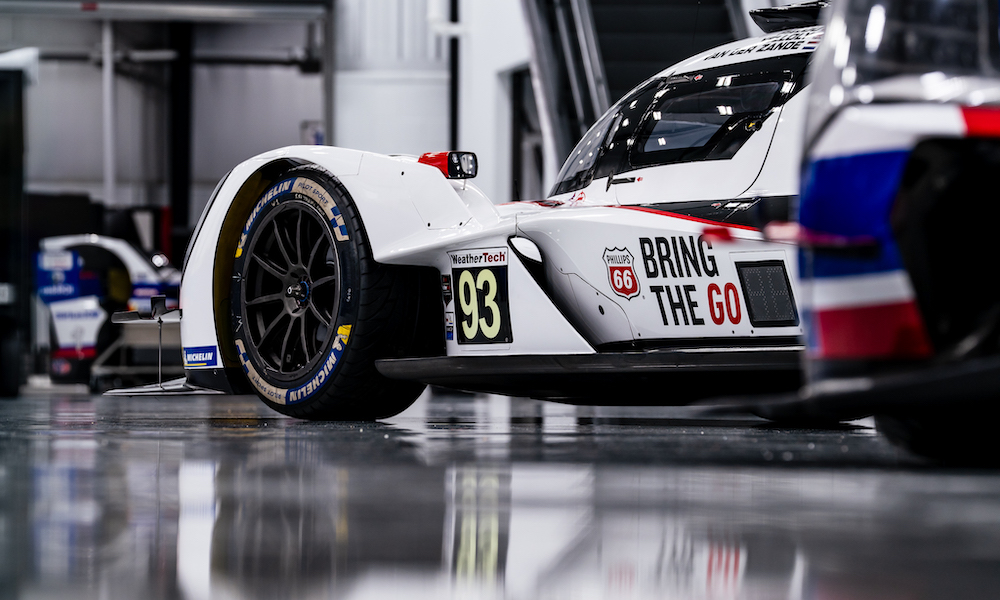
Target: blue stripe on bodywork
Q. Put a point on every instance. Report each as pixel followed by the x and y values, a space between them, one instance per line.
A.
pixel 851 196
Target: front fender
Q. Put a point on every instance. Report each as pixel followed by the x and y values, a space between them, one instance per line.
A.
pixel 406 207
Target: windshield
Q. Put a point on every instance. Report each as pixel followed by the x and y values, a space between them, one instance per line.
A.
pixel 691 121
pixel 710 115
pixel 697 116
pixel 576 172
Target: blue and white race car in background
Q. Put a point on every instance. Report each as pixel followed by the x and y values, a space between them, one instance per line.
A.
pixel 902 146
pixel 83 279
pixel 336 283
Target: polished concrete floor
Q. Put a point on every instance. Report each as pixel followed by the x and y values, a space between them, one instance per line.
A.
pixel 474 496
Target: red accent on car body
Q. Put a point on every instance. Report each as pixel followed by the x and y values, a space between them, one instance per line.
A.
pixel 981 122
pixel 166 232
pixel 883 331
pixel 794 233
pixel 666 213
pixel 75 353
pixel 717 234
pixel 435 159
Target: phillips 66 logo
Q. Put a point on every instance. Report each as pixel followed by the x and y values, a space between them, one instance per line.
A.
pixel 621 275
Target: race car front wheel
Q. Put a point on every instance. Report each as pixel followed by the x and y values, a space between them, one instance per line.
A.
pixel 311 310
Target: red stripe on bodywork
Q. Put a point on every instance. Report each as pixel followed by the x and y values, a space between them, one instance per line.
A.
pixel 981 121
pixel 78 354
pixel 886 331
pixel 667 213
pixel 438 160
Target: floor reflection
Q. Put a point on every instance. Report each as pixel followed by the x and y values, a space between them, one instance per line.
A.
pixel 474 496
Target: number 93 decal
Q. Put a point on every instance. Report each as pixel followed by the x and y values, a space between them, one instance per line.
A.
pixel 481 295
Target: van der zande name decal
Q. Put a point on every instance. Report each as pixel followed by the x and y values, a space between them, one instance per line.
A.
pixel 796 40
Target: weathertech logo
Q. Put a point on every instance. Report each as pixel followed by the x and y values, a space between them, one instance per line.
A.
pixel 621 274
pixel 486 257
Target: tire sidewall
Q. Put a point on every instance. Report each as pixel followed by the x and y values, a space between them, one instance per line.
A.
pixel 323 194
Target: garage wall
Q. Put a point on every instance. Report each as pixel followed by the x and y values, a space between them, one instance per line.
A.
pixel 494 43
pixel 63 115
pixel 242 110
pixel 238 111
pixel 64 143
pixel 392 80
pixel 392 91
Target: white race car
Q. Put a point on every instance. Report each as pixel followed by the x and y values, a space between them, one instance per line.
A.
pixel 336 283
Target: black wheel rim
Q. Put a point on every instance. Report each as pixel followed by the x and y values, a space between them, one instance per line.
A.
pixel 291 290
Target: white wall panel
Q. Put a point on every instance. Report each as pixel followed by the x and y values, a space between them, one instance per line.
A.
pixel 63 134
pixel 393 112
pixel 495 43
pixel 387 35
pixel 242 111
pixel 392 96
pixel 392 80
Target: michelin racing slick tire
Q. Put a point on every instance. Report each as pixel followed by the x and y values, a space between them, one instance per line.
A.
pixel 311 310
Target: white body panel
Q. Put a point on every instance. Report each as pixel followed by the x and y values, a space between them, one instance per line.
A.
pixel 779 175
pixel 575 246
pixel 77 322
pixel 887 127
